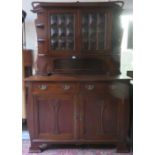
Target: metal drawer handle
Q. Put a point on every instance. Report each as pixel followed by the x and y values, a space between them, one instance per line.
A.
pixel 66 86
pixel 90 87
pixel 43 87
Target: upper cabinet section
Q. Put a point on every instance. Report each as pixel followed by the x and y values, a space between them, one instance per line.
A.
pixel 77 28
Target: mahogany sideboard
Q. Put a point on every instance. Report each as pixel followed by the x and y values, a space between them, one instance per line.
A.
pixel 78 109
pixel 78 95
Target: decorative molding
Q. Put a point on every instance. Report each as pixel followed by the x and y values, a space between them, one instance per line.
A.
pixel 55 107
pixel 102 105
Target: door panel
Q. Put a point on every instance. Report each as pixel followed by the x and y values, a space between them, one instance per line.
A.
pixel 95 27
pixel 99 117
pixel 55 116
pixel 62 31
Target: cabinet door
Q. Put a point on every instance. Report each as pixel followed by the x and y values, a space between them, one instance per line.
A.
pixel 62 32
pixel 54 116
pixel 95 30
pixel 99 117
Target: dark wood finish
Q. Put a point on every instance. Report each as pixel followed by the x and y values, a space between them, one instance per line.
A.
pixel 27 56
pixel 90 107
pixel 130 74
pixel 78 109
pixel 53 124
pixel 70 31
pixel 99 117
pixel 75 78
pixel 107 64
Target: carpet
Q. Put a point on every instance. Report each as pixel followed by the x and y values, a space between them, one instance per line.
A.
pixel 70 151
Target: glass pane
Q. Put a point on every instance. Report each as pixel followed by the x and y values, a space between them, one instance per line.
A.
pixel 62 32
pixel 93 31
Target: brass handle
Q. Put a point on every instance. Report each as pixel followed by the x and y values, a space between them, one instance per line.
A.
pixel 43 87
pixel 66 86
pixel 90 87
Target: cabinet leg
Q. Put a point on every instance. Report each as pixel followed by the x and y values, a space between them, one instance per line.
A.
pixel 122 147
pixel 34 148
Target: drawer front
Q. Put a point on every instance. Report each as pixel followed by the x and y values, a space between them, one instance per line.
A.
pixel 94 87
pixel 56 88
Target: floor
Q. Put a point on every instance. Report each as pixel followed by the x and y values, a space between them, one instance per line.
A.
pixel 66 151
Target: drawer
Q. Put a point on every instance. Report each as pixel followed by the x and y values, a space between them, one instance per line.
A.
pixel 94 87
pixel 56 88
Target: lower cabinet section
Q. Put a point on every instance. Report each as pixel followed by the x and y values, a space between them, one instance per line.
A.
pixel 98 114
pixel 99 117
pixel 55 116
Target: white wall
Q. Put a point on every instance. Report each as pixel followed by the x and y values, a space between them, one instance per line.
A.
pixel 31 40
pixel 126 61
pixel 31 36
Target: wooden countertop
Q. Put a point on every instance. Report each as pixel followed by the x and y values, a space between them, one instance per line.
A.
pixel 61 78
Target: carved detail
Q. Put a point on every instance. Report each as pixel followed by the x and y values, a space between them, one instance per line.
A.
pixel 55 107
pixel 102 106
